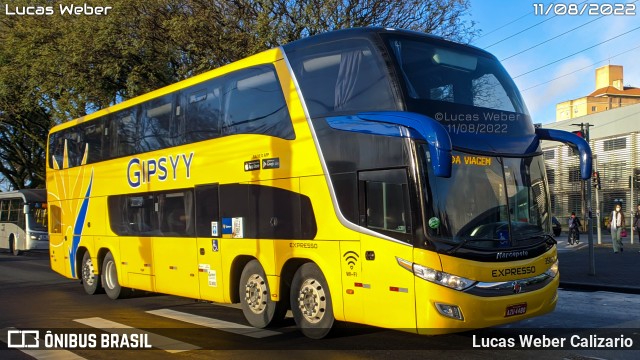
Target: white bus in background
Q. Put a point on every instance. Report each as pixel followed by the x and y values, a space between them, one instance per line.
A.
pixel 23 220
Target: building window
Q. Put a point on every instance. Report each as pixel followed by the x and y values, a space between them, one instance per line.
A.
pixel 551 176
pixel 571 151
pixel 575 203
pixel 574 174
pixel 594 108
pixel 612 173
pixel 615 144
pixel 549 154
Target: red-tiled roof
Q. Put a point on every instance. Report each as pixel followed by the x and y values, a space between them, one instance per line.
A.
pixel 610 90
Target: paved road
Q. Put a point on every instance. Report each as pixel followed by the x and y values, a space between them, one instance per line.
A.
pixel 33 297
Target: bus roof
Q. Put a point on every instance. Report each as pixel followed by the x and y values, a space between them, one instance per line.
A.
pixel 29 195
pixel 368 32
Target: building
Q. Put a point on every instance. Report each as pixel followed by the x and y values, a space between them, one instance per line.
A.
pixel 615 142
pixel 610 93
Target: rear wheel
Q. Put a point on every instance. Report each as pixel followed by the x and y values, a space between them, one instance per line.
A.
pixel 13 247
pixel 90 281
pixel 109 277
pixel 255 297
pixel 311 302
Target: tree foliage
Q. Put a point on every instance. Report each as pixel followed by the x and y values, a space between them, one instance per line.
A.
pixel 55 68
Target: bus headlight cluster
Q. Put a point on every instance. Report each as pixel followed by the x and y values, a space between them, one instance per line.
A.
pixel 553 270
pixel 442 278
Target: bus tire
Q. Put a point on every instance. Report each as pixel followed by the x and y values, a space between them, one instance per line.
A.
pixel 109 277
pixel 255 297
pixel 13 247
pixel 311 302
pixel 90 281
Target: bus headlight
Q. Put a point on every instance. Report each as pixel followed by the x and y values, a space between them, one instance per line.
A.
pixel 553 270
pixel 442 278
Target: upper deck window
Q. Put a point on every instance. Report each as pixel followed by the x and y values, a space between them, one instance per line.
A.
pixel 448 74
pixel 342 77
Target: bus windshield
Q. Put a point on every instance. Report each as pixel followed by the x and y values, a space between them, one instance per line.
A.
pixel 489 202
pixel 439 76
pixel 37 217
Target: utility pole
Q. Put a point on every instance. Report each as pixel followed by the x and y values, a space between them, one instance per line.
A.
pixel 592 259
pixel 584 128
pixel 598 217
pixel 633 184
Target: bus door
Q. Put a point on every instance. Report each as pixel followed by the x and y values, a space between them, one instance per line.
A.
pixel 175 252
pixel 60 239
pixel 385 208
pixel 209 232
pixel 4 216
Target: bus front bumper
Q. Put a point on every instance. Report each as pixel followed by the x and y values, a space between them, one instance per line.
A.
pixel 445 310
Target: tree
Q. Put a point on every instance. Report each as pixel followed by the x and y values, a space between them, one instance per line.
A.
pixel 59 67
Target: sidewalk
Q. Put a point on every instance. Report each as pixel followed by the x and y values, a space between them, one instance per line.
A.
pixel 613 272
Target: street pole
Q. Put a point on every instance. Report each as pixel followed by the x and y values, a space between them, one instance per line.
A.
pixel 632 183
pixel 598 219
pixel 592 259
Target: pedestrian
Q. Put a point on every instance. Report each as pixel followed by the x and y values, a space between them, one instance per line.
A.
pixel 574 229
pixel 617 225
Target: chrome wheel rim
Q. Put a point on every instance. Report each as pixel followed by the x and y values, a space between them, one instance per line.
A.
pixel 87 273
pixel 110 275
pixel 312 301
pixel 256 292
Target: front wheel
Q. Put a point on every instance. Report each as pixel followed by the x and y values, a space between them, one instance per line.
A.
pixel 90 281
pixel 109 277
pixel 311 302
pixel 13 247
pixel 255 296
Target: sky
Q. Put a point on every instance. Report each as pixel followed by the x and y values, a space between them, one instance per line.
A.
pixel 503 36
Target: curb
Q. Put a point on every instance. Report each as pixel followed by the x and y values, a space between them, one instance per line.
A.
pixel 599 287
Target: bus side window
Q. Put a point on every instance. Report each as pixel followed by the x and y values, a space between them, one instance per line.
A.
pixel 124 133
pixel 4 210
pixel 342 76
pixel 75 146
pixel 56 150
pixel 203 118
pixel 208 211
pixel 93 140
pixel 384 202
pixel 156 124
pixel 15 208
pixel 255 104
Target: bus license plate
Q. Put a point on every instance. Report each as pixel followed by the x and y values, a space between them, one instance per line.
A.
pixel 517 309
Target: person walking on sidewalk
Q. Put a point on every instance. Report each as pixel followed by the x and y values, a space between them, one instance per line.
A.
pixel 616 225
pixel 574 229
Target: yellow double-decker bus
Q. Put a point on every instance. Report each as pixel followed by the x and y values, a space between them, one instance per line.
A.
pixel 374 176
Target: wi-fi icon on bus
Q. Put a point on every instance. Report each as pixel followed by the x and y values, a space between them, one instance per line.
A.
pixel 351 257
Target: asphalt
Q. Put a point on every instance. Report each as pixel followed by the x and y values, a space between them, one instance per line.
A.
pixel 611 272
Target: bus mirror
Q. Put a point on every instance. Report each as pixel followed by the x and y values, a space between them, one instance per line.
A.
pixel 427 129
pixel 575 141
pixel 25 209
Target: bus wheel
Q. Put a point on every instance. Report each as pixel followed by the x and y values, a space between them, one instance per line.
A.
pixel 13 246
pixel 311 302
pixel 109 278
pixel 257 306
pixel 90 281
